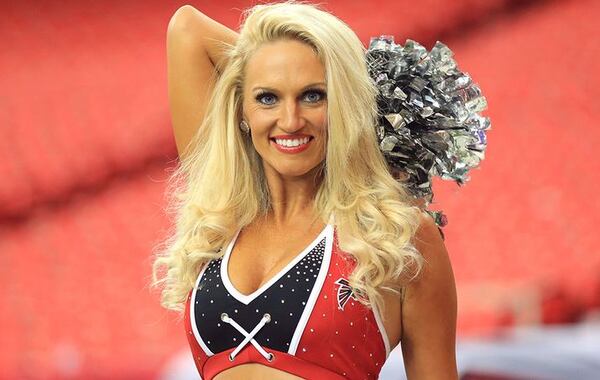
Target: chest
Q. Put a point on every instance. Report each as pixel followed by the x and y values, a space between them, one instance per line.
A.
pixel 256 260
pixel 257 257
pixel 273 309
pixel 305 303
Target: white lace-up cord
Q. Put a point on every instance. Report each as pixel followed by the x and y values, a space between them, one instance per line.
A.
pixel 249 337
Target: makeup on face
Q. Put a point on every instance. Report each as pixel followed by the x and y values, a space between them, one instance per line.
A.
pixel 311 95
pixel 286 106
pixel 291 144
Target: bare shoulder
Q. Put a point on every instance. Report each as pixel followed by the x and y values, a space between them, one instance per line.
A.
pixel 429 310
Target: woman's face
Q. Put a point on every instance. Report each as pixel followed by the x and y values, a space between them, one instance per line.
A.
pixel 285 104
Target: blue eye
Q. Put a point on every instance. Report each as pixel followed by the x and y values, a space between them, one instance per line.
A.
pixel 320 94
pixel 311 96
pixel 264 95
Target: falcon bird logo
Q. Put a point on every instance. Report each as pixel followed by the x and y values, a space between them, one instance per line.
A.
pixel 344 292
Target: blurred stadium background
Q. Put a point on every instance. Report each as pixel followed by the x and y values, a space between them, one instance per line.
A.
pixel 86 146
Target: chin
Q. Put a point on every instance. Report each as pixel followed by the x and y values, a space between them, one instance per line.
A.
pixel 292 170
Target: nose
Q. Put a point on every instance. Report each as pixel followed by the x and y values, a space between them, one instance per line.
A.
pixel 291 118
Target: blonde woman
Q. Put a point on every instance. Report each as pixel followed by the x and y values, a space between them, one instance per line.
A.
pixel 295 253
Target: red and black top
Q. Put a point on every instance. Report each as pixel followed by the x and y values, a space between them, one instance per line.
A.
pixel 305 321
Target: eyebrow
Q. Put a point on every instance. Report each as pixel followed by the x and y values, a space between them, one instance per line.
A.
pixel 302 89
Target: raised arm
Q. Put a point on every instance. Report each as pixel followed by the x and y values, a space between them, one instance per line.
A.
pixel 194 50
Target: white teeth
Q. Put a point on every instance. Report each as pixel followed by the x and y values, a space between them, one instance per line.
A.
pixel 292 143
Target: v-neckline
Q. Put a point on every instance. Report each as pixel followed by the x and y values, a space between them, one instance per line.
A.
pixel 247 298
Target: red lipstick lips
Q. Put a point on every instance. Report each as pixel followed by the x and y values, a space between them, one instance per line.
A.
pixel 290 137
pixel 291 149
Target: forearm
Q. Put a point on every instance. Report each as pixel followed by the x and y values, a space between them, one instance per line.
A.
pixel 211 35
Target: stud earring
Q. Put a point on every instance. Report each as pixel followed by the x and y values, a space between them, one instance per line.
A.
pixel 244 126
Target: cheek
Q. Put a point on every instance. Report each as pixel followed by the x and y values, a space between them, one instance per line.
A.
pixel 319 119
pixel 261 122
pixel 324 127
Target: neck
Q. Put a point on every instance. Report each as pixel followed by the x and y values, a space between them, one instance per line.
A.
pixel 292 197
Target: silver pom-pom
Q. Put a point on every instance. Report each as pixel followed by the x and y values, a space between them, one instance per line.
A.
pixel 428 115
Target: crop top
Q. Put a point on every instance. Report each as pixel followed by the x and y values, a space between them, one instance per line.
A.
pixel 306 320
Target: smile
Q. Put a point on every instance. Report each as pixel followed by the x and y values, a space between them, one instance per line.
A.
pixel 292 145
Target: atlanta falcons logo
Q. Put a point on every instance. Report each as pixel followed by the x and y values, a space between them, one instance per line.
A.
pixel 344 292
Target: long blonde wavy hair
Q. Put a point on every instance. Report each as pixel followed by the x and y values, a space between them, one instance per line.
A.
pixel 220 185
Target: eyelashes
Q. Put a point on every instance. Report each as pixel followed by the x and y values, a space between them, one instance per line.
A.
pixel 322 95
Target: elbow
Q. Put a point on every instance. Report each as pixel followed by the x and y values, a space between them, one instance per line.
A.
pixel 186 18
